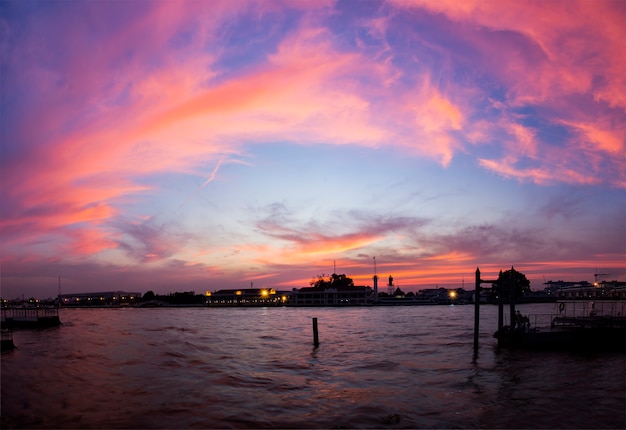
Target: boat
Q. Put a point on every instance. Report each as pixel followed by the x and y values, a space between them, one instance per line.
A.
pixel 16 317
pixel 589 326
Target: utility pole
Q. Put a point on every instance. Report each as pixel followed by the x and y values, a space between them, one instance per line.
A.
pixel 375 278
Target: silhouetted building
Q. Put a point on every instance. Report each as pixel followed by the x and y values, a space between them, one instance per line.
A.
pixel 332 296
pixel 586 290
pixel 105 298
pixel 248 297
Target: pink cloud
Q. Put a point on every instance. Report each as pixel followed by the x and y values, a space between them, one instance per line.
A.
pixel 87 241
pixel 436 118
pixel 111 114
pixel 579 40
pixel 190 96
pixel 600 136
pixel 591 155
pixel 566 59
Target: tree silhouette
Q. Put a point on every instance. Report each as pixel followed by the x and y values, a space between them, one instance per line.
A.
pixel 398 292
pixel 333 281
pixel 522 285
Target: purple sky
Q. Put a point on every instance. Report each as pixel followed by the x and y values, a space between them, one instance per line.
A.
pixel 200 145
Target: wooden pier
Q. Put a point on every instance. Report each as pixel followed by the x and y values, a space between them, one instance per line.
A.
pixel 29 317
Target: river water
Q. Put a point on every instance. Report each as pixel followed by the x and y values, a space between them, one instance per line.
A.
pixel 375 367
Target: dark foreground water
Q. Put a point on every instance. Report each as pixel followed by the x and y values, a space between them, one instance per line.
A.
pixel 380 367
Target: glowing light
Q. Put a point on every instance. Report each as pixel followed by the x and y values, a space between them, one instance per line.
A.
pixel 238 293
pixel 264 293
pixel 452 294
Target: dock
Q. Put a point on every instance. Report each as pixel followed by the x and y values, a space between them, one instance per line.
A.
pixel 591 327
pixel 29 317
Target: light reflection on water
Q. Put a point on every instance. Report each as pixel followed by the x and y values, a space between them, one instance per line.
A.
pixel 381 367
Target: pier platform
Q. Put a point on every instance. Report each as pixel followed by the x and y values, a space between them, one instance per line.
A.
pixel 29 317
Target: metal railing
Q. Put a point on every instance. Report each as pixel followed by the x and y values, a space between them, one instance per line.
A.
pixel 572 312
pixel 28 313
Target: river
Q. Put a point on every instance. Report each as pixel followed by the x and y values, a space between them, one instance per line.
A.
pixel 375 367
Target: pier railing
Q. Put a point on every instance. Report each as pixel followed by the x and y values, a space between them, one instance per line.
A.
pixel 573 312
pixel 28 313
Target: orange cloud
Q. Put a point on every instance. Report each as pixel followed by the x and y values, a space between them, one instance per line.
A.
pixel 436 118
pixel 87 241
pixel 328 245
pixel 603 137
pixel 539 175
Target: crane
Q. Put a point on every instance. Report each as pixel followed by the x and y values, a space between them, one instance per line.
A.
pixel 596 275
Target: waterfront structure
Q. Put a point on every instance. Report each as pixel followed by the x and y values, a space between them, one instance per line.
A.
pixel 591 327
pixel 105 298
pixel 579 324
pixel 434 295
pixel 375 279
pixel 586 290
pixel 342 295
pixel 29 317
pixel 247 297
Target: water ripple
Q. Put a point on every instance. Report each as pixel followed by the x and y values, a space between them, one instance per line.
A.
pixel 409 367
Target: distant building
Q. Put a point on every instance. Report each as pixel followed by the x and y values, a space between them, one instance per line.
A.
pixel 614 289
pixel 106 298
pixel 332 296
pixel 247 297
pixel 586 290
pixel 435 295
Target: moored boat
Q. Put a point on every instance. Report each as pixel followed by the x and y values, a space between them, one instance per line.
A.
pixel 588 327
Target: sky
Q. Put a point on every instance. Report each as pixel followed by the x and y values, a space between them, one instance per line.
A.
pixel 201 145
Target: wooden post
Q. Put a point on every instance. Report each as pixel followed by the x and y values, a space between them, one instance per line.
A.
pixel 500 306
pixel 512 298
pixel 316 341
pixel 476 308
